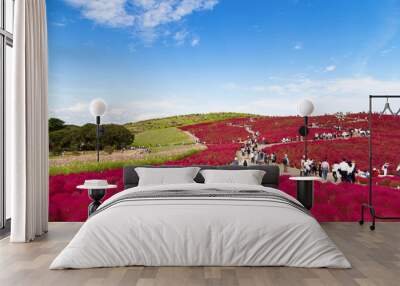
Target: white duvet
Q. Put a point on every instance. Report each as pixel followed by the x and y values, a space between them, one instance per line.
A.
pixel 200 231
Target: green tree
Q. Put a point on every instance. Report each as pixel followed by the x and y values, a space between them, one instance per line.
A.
pixel 88 136
pixel 66 139
pixel 55 124
pixel 117 136
pixel 75 138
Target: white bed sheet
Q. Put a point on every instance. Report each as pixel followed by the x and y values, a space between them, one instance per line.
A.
pixel 200 232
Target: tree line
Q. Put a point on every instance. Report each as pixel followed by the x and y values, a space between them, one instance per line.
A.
pixel 65 137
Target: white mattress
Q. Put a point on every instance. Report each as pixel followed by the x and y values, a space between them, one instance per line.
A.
pixel 200 232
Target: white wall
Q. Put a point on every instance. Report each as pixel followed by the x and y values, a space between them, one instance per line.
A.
pixel 9 60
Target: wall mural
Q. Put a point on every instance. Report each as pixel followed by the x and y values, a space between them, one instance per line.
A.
pixel 213 82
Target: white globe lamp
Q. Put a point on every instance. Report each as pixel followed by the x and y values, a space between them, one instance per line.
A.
pixel 97 108
pixel 305 107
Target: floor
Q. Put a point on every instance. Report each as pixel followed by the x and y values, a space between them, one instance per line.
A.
pixel 375 257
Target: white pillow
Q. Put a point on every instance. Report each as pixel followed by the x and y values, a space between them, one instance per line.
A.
pixel 166 176
pixel 248 177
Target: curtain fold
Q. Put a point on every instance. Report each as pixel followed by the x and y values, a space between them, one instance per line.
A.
pixel 28 123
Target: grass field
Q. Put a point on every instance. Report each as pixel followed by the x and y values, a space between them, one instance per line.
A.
pixel 149 159
pixel 182 120
pixel 162 137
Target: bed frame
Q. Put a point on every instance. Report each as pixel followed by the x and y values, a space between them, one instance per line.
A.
pixel 270 179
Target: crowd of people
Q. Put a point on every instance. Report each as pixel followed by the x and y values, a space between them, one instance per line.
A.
pixel 321 168
pixel 331 135
pixel 250 153
pixel 341 134
pixel 344 171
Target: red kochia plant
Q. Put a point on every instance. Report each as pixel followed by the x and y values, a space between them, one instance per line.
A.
pixel 385 141
pixel 332 202
pixel 342 202
pixel 67 203
pixel 214 155
pixel 223 132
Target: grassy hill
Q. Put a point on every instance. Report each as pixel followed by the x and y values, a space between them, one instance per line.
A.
pixel 181 120
pixel 163 137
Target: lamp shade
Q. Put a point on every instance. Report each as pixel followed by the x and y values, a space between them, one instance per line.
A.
pixel 305 107
pixel 97 107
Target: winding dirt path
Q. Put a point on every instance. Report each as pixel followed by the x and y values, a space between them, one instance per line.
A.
pixel 290 170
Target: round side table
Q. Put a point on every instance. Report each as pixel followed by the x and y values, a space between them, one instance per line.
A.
pixel 96 193
pixel 305 190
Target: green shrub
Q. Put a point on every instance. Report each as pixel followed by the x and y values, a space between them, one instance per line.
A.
pixel 82 138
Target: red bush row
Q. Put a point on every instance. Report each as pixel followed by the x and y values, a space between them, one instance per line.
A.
pixel 214 155
pixel 332 202
pixel 342 202
pixel 336 150
pixel 67 203
pixel 223 132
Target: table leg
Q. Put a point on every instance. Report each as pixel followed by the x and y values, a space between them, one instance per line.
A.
pixel 305 193
pixel 96 195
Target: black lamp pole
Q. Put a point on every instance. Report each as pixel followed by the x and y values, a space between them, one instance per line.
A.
pixel 98 137
pixel 305 136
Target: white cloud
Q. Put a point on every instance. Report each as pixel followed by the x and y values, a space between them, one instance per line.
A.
pixel 145 16
pixel 78 112
pixel 154 13
pixel 111 13
pixel 298 46
pixel 123 112
pixel 145 109
pixel 59 24
pixel 330 68
pixel 195 41
pixel 340 94
pixel 62 22
pixel 75 108
pixel 276 97
pixel 387 51
pixel 180 37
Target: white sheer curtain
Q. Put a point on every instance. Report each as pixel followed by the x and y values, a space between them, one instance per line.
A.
pixel 27 123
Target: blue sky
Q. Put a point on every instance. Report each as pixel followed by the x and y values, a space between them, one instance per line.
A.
pixel 152 58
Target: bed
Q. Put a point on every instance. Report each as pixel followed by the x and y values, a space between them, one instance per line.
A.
pixel 201 224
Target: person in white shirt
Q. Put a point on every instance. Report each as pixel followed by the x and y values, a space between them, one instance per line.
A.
pixel 273 158
pixel 385 169
pixel 335 171
pixel 252 157
pixel 302 165
pixel 325 169
pixel 307 166
pixel 351 171
pixel 343 170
